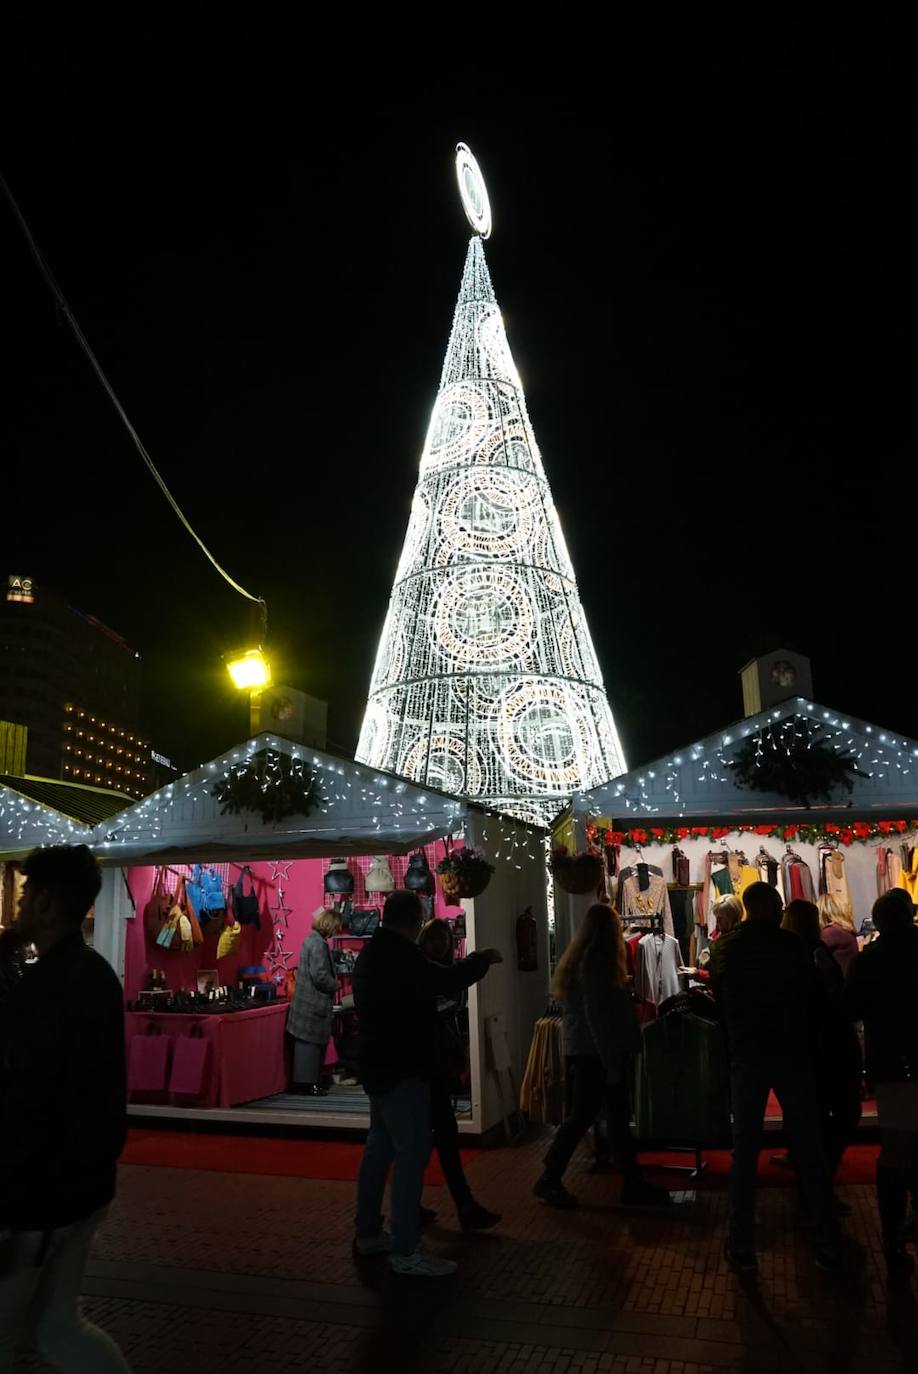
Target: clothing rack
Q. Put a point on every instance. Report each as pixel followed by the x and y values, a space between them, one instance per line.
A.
pixel 649 922
pixel 693 1170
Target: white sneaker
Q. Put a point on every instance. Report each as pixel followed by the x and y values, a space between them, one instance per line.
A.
pixel 380 1244
pixel 421 1265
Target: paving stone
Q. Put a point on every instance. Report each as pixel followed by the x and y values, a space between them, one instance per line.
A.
pixel 200 1272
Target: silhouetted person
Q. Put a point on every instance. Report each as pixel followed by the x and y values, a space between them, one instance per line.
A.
pixel 62 1117
pixel 395 993
pixel 767 990
pixel 600 1035
pixel 436 943
pixel 882 991
pixel 839 1069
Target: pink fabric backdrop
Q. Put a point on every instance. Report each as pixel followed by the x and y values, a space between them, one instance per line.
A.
pixel 303 893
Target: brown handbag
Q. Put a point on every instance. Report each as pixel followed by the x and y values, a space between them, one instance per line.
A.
pixel 156 912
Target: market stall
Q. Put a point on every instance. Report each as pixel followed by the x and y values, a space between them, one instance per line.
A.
pixel 801 796
pixel 274 842
pixel 35 812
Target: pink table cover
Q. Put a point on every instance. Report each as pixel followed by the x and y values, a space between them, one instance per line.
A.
pixel 245 1060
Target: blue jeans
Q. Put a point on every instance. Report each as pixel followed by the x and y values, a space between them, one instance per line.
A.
pixel 400 1134
pixel 794 1084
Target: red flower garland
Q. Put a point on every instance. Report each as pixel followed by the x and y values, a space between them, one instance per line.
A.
pixel 804 832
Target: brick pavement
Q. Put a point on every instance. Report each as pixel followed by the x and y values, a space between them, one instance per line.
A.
pixel 216 1273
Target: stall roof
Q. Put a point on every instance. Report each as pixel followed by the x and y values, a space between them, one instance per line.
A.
pixel 75 800
pixel 378 812
pixel 26 822
pixel 697 780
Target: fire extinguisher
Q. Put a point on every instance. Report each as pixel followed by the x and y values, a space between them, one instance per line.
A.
pixel 527 942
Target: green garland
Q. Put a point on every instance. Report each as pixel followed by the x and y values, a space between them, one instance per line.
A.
pixel 803 768
pixel 799 832
pixel 269 784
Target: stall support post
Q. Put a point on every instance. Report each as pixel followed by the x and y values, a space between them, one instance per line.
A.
pixel 112 909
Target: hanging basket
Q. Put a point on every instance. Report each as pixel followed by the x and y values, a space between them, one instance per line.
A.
pixel 463 873
pixel 577 873
pixel 457 886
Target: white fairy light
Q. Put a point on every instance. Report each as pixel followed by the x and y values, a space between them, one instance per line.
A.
pixel 486 683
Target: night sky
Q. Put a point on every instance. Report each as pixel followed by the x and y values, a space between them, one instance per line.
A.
pixel 708 289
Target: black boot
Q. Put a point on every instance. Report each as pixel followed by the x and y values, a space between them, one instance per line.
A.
pixel 892 1199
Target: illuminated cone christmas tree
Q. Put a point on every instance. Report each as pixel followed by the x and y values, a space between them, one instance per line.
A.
pixel 486 683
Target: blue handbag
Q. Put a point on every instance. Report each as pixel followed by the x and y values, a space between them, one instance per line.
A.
pixel 194 891
pixel 214 896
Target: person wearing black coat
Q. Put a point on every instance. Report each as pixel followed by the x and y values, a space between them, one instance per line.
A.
pixel 436 944
pixel 839 1067
pixel 63 1112
pixel 768 993
pixel 395 995
pixel 882 991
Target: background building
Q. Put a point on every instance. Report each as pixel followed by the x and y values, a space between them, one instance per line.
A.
pixel 74 684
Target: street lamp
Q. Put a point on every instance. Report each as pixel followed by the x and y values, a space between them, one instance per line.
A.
pixel 250 672
pixel 249 669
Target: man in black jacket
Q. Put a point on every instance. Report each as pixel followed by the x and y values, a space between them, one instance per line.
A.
pixel 767 990
pixel 62 1117
pixel 395 993
pixel 882 991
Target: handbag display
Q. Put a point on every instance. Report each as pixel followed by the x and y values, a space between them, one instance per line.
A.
pixel 363 923
pixel 339 877
pixel 214 896
pixel 189 926
pixel 194 890
pixel 230 938
pixel 418 877
pixel 168 937
pixel 246 904
pixel 156 912
pixel 379 878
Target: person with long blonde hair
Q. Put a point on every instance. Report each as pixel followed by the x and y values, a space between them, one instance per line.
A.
pixel 600 1034
pixel 838 931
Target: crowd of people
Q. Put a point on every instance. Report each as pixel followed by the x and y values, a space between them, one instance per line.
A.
pixel 789 985
pixel 790 989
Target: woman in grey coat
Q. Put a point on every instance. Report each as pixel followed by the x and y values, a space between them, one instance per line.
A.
pixel 600 1035
pixel 309 1020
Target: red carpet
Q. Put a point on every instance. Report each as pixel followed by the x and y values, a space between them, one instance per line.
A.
pixel 340 1159
pixel 773 1108
pixel 858 1166
pixel 234 1154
